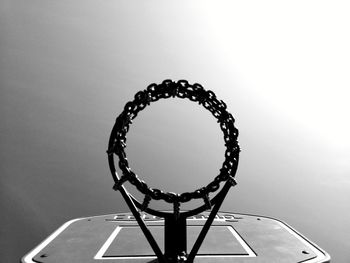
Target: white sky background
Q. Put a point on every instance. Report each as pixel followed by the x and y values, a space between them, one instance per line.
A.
pixel 68 67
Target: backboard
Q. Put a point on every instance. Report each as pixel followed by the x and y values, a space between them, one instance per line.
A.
pixel 232 238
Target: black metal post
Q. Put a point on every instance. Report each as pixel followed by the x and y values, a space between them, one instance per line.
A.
pixel 175 243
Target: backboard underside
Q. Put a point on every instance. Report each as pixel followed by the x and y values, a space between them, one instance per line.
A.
pixel 232 238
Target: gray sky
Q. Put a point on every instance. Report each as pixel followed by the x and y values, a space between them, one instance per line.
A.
pixel 67 68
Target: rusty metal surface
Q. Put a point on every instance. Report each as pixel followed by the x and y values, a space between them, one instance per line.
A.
pixel 233 238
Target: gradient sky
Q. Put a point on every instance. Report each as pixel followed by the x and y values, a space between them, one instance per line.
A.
pixel 67 68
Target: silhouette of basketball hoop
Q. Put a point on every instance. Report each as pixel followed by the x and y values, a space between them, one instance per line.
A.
pixel 189 236
pixel 175 221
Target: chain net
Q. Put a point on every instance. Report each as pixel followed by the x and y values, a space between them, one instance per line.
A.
pixel 171 89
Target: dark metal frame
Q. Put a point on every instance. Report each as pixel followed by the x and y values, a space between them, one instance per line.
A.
pixel 175 227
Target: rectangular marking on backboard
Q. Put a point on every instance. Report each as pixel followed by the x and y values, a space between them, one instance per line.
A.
pixel 247 248
pixel 108 242
pixel 103 255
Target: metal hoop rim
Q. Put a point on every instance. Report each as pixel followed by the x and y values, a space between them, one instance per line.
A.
pixel 179 89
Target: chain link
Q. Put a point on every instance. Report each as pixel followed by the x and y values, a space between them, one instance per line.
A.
pixel 180 89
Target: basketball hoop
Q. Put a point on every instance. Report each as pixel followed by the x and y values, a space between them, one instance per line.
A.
pixel 193 235
pixel 175 221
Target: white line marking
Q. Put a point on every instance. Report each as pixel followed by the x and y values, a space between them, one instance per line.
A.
pixel 108 242
pixel 105 246
pixel 319 255
pixel 29 257
pixel 242 242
